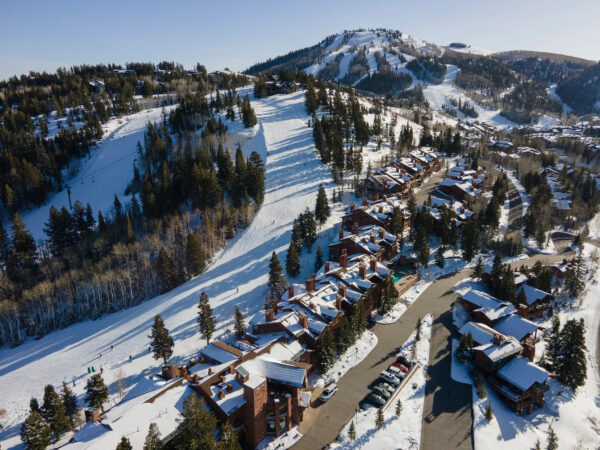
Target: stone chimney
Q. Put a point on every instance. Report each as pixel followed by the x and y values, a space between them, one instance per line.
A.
pixel 309 284
pixel 269 315
pixel 229 388
pixel 341 235
pixel 290 291
pixel 221 394
pixel 352 207
pixel 275 306
pixel 231 369
pixel 365 202
pixel 372 238
pixel 344 258
pixel 497 339
pixel 381 233
pixel 221 378
pixel 326 266
pixel 210 371
pixel 303 320
pixel 342 289
pixel 373 265
pixel 362 271
pixel 338 302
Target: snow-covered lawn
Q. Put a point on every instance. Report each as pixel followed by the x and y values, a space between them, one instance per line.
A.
pixel 293 175
pixel 353 356
pixel 397 432
pixel 391 316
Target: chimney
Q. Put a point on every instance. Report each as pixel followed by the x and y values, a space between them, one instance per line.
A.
pixel 308 284
pixel 326 266
pixel 344 258
pixel 338 302
pixel 385 197
pixel 373 265
pixel 341 234
pixel 210 371
pixel 497 339
pixel 362 271
pixel 290 291
pixel 303 319
pixel 355 228
pixel 381 233
pixel 352 207
pixel 342 289
pixel 229 388
pixel 221 394
pixel 221 378
pixel 231 369
pixel 372 238
pixel 275 307
pixel 380 209
pixel 269 315
pixel 365 202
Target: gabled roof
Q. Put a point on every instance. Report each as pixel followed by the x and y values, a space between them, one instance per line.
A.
pixel 516 326
pixel 522 373
pixel 218 354
pixel 509 347
pixel 481 299
pixel 276 371
pixel 482 334
pixel 533 294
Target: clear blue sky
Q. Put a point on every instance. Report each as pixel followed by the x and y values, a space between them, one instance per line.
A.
pixel 44 35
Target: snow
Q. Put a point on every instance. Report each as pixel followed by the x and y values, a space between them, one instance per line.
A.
pixel 471 50
pixel 391 316
pixel 516 326
pixel 594 227
pixel 397 432
pixel 525 200
pixel 522 373
pixel 353 356
pixel 552 93
pixel 458 371
pixel 285 440
pixel 438 95
pixel 574 415
pixel 532 294
pixel 293 175
pixel 480 334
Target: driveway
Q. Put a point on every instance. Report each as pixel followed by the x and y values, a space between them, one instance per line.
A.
pixel 447 419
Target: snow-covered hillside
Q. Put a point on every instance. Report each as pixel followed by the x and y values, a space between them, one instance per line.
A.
pixel 293 175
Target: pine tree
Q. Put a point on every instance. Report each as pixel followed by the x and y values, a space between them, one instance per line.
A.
pixel 240 326
pixel 318 259
pixel 398 408
pixel 277 282
pixel 124 444
pixel 569 357
pixel 153 441
pixel 439 257
pixel 292 261
pixel 229 439
pixel 380 420
pixel 397 225
pixel 488 412
pixel 418 334
pixel 470 239
pixel 552 443
pixel 96 392
pixel 551 338
pixel 325 353
pixel 538 445
pixel 4 245
pixel 23 258
pixel 196 429
pixel 575 278
pixel 322 210
pixel 35 432
pixel 521 298
pixel 194 256
pixel 206 320
pixel 161 343
pixel 166 270
pixel 70 402
pixel 129 233
pixel 34 405
pixel 53 411
pixel 352 432
pixel 479 268
pixel 118 208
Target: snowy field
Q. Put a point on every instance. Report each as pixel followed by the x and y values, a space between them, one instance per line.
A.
pixel 293 175
pixel 402 432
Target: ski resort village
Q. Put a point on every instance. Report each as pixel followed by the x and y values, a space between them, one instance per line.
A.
pixel 373 242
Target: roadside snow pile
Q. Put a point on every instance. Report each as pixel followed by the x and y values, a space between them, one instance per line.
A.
pixel 397 432
pixel 354 356
pixel 525 200
pixel 574 415
pixel 391 316
pixel 594 227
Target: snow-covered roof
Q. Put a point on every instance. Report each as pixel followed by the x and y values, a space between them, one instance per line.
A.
pixel 276 371
pixel 516 326
pixel 496 312
pixel 509 346
pixel 533 294
pixel 522 373
pixel 481 333
pixel 481 299
pixel 217 354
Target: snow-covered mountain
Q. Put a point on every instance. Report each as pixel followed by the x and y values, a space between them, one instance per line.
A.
pixel 389 62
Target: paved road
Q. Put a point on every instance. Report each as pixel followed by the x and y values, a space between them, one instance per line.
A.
pixel 516 209
pixel 447 420
pixel 428 187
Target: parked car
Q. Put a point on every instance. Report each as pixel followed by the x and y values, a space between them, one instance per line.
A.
pixel 396 371
pixel 375 399
pixel 328 392
pixel 400 366
pixel 387 387
pixel 403 360
pixel 382 392
pixel 388 377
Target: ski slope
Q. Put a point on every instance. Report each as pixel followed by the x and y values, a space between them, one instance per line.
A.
pixel 293 175
pixel 107 171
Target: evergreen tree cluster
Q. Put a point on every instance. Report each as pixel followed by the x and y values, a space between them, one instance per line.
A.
pixel 565 352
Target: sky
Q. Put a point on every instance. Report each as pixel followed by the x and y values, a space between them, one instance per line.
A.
pixel 44 35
